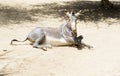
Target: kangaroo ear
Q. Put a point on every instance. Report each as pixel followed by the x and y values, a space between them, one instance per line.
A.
pixel 67 13
pixel 78 13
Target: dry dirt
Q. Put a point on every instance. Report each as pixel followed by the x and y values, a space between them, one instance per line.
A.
pixel 24 60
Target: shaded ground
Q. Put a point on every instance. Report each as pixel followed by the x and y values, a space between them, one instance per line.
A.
pixel 91 11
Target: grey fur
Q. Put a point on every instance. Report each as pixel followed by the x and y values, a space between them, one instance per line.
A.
pixel 44 37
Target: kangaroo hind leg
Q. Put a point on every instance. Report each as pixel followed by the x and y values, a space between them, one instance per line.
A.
pixel 39 43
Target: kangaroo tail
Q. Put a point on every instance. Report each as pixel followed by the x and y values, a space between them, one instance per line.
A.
pixel 15 40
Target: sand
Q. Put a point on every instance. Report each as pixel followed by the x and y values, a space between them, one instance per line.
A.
pixel 24 60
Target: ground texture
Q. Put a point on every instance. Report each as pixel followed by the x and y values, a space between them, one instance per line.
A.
pixel 100 28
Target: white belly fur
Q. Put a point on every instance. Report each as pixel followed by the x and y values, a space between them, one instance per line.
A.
pixel 56 42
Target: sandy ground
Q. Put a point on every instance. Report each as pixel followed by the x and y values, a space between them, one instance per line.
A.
pixel 24 60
